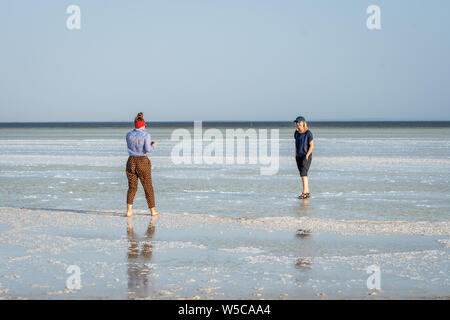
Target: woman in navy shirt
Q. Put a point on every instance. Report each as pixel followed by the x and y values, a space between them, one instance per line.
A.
pixel 304 145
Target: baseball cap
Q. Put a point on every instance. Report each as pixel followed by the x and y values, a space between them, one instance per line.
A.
pixel 299 119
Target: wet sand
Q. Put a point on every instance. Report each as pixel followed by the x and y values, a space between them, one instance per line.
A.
pixel 200 256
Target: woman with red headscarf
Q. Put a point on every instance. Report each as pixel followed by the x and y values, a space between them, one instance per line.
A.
pixel 138 164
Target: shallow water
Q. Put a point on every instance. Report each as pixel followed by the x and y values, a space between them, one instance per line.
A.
pixel 182 256
pixel 357 173
pixel 380 196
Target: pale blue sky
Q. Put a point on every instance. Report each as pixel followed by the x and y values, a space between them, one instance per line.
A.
pixel 237 60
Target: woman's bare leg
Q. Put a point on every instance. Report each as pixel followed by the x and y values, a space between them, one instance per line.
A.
pixel 305 184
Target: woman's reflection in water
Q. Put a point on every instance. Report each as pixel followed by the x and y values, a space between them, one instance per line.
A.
pixel 139 269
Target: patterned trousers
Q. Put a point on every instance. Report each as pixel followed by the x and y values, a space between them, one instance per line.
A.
pixel 140 167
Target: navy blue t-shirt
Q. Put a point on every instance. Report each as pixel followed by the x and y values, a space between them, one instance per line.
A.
pixel 302 141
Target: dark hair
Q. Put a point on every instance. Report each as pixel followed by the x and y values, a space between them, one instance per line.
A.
pixel 139 117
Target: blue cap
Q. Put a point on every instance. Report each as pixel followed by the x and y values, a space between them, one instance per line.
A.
pixel 299 119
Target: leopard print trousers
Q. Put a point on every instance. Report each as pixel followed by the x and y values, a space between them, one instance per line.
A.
pixel 140 167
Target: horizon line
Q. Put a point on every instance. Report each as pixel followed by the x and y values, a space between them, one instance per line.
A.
pixel 224 124
pixel 222 121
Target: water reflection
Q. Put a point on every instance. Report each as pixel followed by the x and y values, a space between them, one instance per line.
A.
pixel 301 208
pixel 303 264
pixel 305 203
pixel 138 256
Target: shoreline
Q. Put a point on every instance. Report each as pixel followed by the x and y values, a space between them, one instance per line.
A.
pixel 287 223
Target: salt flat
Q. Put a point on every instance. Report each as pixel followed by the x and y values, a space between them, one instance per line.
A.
pixel 200 256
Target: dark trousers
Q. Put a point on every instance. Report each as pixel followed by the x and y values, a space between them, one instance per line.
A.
pixel 303 165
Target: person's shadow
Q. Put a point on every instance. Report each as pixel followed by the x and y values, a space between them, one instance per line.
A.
pixel 139 269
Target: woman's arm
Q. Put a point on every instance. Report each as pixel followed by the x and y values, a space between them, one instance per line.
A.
pixel 148 147
pixel 311 147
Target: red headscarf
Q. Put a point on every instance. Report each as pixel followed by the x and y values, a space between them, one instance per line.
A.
pixel 139 124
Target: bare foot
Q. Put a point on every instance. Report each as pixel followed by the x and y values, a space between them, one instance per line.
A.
pixel 154 213
pixel 129 210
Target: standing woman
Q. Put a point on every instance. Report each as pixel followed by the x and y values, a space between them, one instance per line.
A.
pixel 304 146
pixel 138 164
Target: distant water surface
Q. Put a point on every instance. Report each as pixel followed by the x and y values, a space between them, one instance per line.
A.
pixel 375 171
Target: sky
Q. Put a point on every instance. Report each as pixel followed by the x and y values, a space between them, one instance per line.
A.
pixel 224 60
